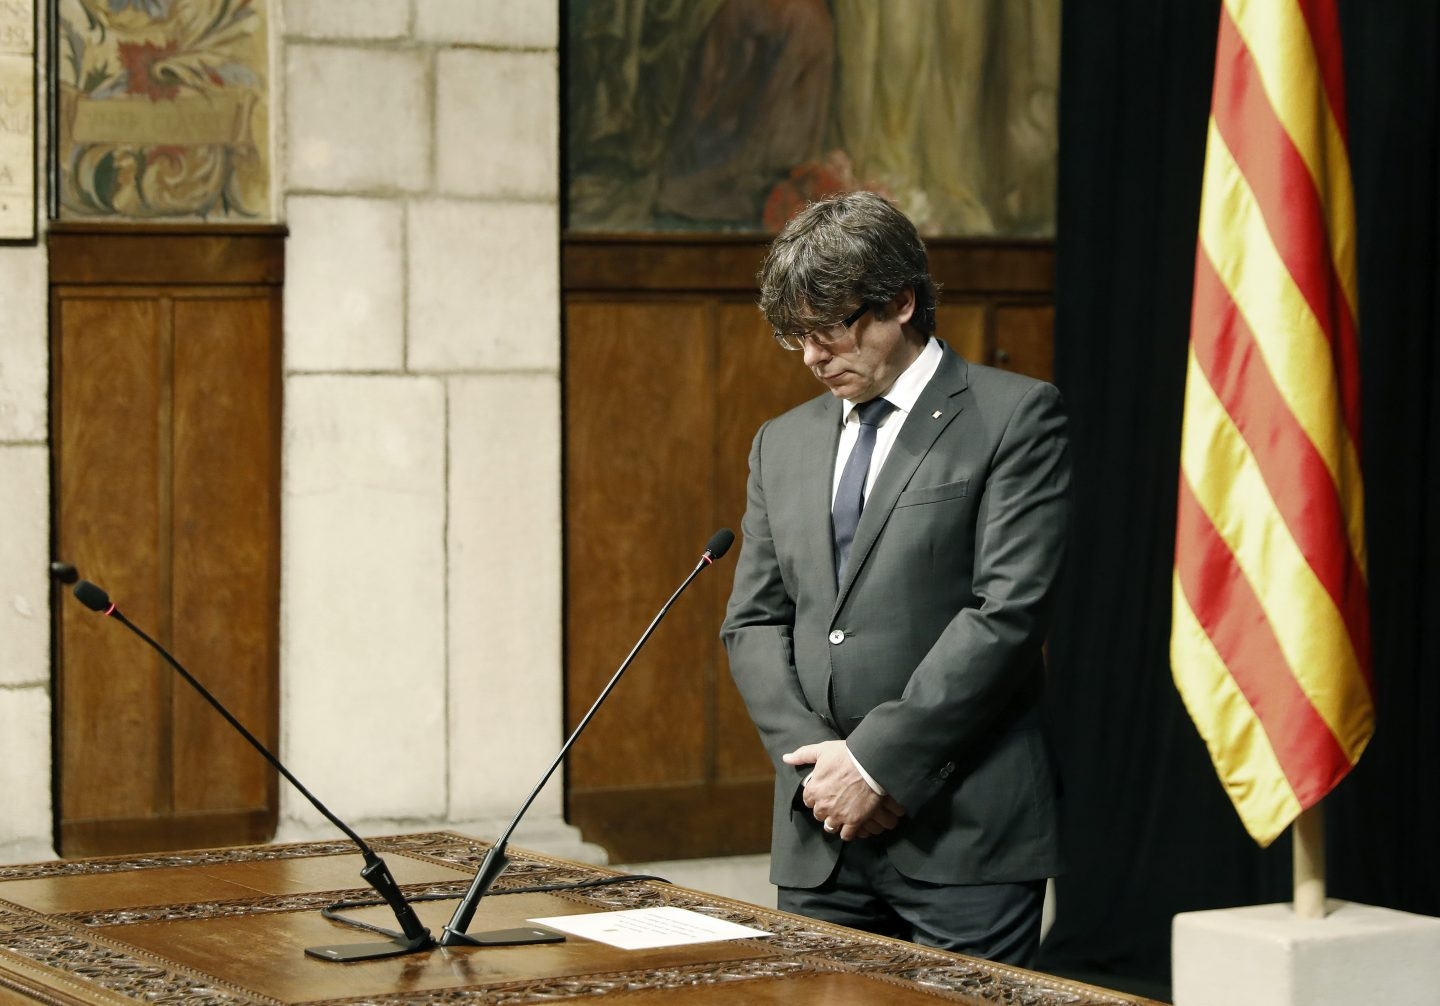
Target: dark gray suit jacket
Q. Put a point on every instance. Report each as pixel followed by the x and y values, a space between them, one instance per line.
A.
pixel 927 658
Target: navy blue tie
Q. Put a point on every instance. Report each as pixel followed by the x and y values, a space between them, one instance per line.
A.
pixel 850 496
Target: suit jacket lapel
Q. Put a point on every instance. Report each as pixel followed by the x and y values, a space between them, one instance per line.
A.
pixel 922 428
pixel 816 471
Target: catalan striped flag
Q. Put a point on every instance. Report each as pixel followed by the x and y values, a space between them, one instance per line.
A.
pixel 1270 644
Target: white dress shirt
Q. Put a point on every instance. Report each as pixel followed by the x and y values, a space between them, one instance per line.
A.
pixel 903 395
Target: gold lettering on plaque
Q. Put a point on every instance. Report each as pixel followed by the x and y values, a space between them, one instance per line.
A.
pixel 17 128
pixel 17 119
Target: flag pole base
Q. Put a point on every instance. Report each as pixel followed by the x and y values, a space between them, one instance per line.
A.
pixel 1266 954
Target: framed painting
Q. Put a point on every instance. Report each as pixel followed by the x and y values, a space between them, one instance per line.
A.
pixel 162 109
pixel 729 115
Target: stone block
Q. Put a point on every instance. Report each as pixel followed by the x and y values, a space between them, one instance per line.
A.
pixel 25 348
pixel 346 19
pixel 363 604
pixel 504 23
pixel 357 119
pixel 506 674
pixel 497 120
pixel 24 564
pixel 25 827
pixel 484 286
pixel 1264 955
pixel 345 287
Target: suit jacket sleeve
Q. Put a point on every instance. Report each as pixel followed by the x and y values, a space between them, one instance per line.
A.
pixel 989 655
pixel 758 637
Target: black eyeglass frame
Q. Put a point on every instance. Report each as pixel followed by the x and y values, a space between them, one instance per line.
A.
pixel 822 336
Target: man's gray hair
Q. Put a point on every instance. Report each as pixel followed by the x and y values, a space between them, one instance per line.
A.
pixel 836 254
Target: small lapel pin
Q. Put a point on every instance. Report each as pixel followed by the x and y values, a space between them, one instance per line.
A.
pixel 935 414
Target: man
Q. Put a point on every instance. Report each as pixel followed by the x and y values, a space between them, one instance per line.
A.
pixel 888 614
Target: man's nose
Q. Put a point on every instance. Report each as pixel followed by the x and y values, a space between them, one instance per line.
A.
pixel 814 353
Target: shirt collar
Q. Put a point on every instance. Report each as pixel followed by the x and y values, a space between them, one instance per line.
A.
pixel 912 380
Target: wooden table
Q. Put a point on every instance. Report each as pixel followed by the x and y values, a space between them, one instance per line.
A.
pixel 229 926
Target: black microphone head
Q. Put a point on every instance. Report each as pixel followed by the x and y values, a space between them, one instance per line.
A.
pixel 91 596
pixel 64 572
pixel 719 543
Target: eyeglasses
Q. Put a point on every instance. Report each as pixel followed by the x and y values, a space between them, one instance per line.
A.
pixel 822 336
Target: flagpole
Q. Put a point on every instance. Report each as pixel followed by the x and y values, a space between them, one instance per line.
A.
pixel 1309 835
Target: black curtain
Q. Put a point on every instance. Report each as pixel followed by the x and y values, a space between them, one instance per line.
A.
pixel 1148 831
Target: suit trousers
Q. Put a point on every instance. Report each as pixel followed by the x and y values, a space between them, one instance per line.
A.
pixel 997 922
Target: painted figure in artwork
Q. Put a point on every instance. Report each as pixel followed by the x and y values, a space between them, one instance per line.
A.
pixel 733 114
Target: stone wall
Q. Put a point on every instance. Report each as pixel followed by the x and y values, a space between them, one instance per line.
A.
pixel 421 574
pixel 25 823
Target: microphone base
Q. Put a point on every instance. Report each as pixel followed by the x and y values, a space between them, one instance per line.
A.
pixel 522 937
pixel 347 953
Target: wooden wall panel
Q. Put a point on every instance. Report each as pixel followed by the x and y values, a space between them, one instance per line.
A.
pixel 660 445
pixel 1024 339
pixel 642 453
pixel 110 459
pixel 669 371
pixel 166 371
pixel 641 386
pixel 965 326
pixel 223 533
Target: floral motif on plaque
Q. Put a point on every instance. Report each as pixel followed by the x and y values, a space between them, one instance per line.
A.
pixel 163 109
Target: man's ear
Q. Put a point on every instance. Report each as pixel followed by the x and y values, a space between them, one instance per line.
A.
pixel 902 306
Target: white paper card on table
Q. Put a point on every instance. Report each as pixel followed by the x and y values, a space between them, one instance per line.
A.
pixel 648 928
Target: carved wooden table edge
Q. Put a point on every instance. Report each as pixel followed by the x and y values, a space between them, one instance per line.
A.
pixel 55 959
pixel 58 959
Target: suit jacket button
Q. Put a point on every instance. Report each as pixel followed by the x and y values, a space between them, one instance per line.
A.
pixel 947 770
pixel 837 636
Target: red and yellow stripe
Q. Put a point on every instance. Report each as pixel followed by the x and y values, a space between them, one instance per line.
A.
pixel 1270 645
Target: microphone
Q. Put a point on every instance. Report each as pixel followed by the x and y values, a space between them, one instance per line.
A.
pixel 496 859
pixel 416 937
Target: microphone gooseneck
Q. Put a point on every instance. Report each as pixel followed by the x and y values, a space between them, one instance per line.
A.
pixel 376 873
pixel 496 859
